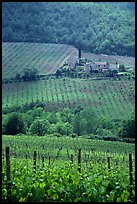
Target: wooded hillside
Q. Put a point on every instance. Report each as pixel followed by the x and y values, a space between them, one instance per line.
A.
pixel 98 27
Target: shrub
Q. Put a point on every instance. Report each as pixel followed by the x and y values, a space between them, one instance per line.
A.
pixel 14 124
pixel 104 132
pixel 128 140
pixel 128 128
pixel 122 67
pixel 62 128
pixel 111 138
pixel 73 135
pixel 39 127
pixel 56 134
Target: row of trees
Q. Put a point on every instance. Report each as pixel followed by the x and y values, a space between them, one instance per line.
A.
pixel 105 27
pixel 28 75
pixel 80 121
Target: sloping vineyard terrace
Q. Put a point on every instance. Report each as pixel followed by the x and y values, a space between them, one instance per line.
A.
pixel 46 58
pixel 107 97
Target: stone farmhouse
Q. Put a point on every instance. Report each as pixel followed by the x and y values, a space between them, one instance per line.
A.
pixel 100 67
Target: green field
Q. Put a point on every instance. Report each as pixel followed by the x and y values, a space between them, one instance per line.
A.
pixel 106 97
pixel 27 144
pixel 47 58
pixel 59 179
pixel 62 179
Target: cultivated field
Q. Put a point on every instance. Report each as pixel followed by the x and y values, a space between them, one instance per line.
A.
pixel 62 172
pixel 110 98
pixel 47 58
pixel 65 169
pixel 127 61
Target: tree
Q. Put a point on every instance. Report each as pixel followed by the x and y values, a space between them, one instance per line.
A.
pixel 78 24
pixel 128 128
pixel 122 68
pixel 40 127
pixel 91 120
pixel 18 77
pixel 78 109
pixel 78 124
pixel 66 115
pixel 62 128
pixel 30 74
pixel 58 73
pixel 14 124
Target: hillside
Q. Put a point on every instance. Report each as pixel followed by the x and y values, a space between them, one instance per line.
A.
pixel 68 102
pixel 108 98
pixel 46 58
pixel 98 27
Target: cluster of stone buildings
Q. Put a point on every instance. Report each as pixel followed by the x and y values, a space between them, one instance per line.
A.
pixel 100 67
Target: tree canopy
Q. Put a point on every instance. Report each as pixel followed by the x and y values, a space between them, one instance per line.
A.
pixel 99 27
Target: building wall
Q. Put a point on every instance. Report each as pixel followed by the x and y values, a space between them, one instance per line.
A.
pixel 100 67
pixel 90 66
pixel 114 67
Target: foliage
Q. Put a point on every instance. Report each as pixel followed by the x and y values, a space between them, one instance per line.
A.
pixel 60 180
pixel 91 119
pixel 63 183
pixel 62 128
pixel 30 74
pixel 39 127
pixel 14 124
pixel 109 98
pixel 128 128
pixel 78 125
pixel 52 143
pixel 104 27
pixel 122 68
pixel 104 132
pixel 68 122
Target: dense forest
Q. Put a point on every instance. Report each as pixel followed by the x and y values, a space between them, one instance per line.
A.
pixel 98 27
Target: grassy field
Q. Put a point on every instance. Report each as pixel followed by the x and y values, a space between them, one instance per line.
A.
pixel 107 97
pixel 47 58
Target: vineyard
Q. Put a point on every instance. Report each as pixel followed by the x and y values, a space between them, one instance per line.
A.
pixel 47 58
pixel 64 168
pixel 127 61
pixel 107 97
pixel 67 170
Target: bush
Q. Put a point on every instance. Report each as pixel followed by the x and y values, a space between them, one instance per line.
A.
pixel 128 128
pixel 56 134
pixel 73 135
pixel 128 140
pixel 104 132
pixel 122 68
pixel 62 128
pixel 14 124
pixel 39 127
pixel 111 138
